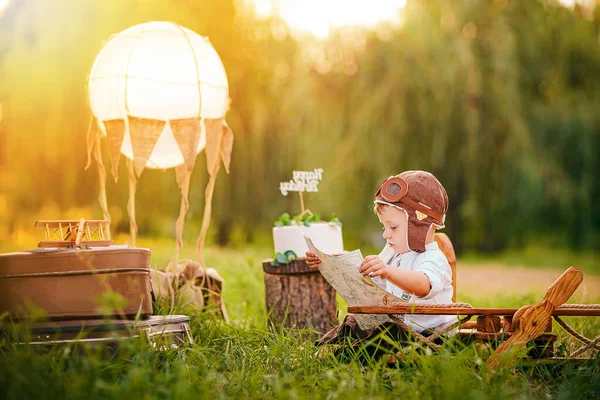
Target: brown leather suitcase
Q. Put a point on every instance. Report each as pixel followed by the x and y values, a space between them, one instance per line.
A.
pixel 70 284
pixel 161 331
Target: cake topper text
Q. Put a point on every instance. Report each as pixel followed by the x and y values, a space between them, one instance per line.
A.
pixel 303 181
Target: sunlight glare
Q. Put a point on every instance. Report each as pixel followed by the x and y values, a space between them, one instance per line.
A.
pixel 263 8
pixel 583 3
pixel 3 4
pixel 318 17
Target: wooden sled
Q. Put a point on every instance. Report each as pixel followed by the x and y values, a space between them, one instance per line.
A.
pixel 508 330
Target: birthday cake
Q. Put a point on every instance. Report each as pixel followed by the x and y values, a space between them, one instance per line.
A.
pixel 288 233
pixel 327 236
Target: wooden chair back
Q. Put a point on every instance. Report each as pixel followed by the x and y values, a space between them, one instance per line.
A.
pixel 446 246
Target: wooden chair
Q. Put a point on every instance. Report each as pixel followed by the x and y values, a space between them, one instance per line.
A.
pixel 448 249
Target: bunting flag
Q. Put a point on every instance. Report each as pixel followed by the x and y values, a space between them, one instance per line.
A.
pixel 208 195
pixel 180 173
pixel 115 131
pixel 214 136
pixel 90 140
pixel 101 182
pixel 226 146
pixel 133 228
pixel 214 133
pixel 185 205
pixel 187 134
pixel 144 134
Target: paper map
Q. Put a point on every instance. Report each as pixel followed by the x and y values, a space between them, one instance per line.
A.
pixel 341 271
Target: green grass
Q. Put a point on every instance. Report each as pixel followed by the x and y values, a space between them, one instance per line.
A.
pixel 245 359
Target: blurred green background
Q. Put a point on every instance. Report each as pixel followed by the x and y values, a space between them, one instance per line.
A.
pixel 499 99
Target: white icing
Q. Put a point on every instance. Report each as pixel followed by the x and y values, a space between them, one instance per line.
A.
pixel 327 237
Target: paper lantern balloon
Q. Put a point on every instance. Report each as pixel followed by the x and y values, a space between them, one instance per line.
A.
pixel 159 94
pixel 149 88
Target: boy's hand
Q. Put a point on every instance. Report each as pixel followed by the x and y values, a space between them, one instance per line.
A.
pixel 312 260
pixel 374 266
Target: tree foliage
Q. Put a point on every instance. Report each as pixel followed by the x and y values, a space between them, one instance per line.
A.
pixel 498 99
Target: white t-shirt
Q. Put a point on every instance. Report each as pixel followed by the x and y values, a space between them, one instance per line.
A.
pixel 433 263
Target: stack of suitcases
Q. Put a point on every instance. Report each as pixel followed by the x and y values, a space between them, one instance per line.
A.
pixel 89 294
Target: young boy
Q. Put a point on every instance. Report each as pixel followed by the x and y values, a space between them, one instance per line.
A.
pixel 410 206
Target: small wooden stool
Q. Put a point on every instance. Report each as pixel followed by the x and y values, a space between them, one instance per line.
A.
pixel 299 297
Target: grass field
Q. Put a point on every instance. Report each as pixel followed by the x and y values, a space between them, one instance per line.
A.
pixel 246 359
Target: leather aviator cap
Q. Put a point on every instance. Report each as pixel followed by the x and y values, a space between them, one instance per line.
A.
pixel 424 199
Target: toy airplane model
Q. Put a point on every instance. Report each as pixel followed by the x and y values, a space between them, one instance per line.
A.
pixel 74 234
pixel 508 330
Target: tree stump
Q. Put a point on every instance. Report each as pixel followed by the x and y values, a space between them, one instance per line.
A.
pixel 299 297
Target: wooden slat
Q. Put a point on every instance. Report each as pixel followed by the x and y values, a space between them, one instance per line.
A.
pixel 473 334
pixel 80 232
pixel 410 309
pixel 97 243
pixel 63 244
pixel 420 310
pixel 54 243
pixel 53 223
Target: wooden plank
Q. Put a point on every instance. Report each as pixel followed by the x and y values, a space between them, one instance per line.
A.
pixel 423 310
